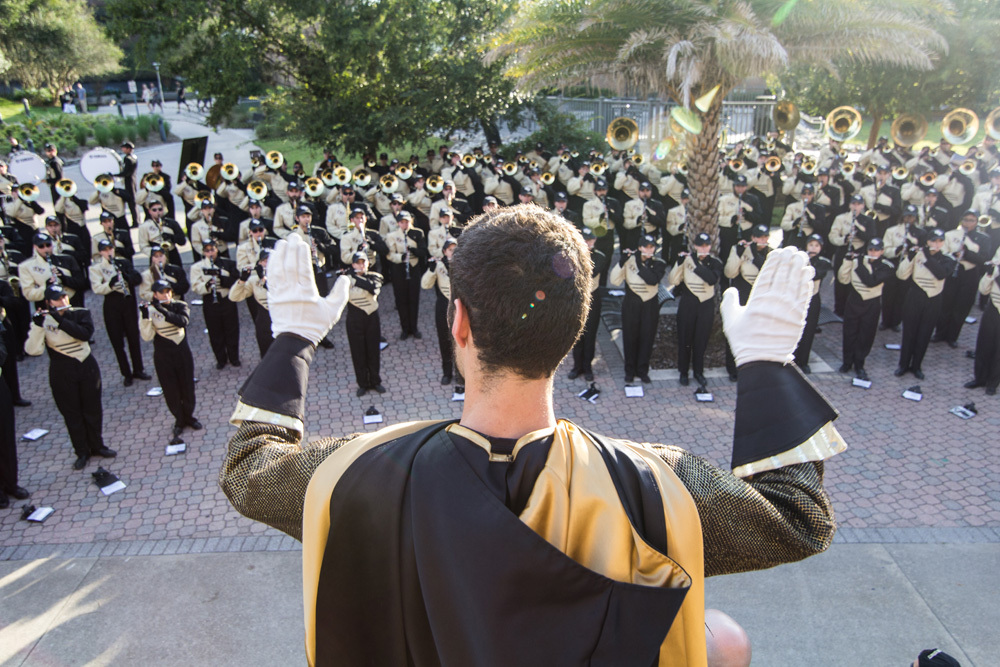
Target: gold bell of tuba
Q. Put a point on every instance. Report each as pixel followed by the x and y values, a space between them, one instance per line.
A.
pixel 229 172
pixel 274 159
pixel 257 190
pixel 598 168
pixel 362 178
pixel 871 170
pixel 435 183
pixel 342 175
pixel 736 164
pixel 848 168
pixel 104 183
pixel 960 126
pixel 314 187
pixel 622 134
pixel 194 171
pixel 153 182
pixel 984 221
pixel 29 191
pixel 908 129
pixel 785 116
pixel 843 123
pixel 66 187
pixel 388 183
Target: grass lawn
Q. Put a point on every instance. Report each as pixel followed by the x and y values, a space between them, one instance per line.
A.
pixel 13 112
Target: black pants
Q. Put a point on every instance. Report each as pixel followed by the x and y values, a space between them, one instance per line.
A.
pixel 957 299
pixel 223 322
pixel 840 290
pixel 605 244
pixel 175 372
pixel 407 294
pixel 255 307
pixel 893 296
pixel 672 246
pixel 860 325
pixel 364 332
pixel 122 322
pixel 987 366
pixel 445 344
pixel 76 388
pixel 262 328
pixel 694 326
pixel 586 347
pixel 743 288
pixel 639 321
pixel 804 348
pixel 130 202
pixel 8 441
pixel 728 236
pixel 920 314
pixel 9 370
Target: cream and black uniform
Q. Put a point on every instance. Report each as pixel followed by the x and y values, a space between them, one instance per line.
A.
pixel 364 329
pixel 166 325
pixel 695 280
pixel 987 366
pixel 848 233
pixel 117 282
pixel 640 309
pixel 586 345
pixel 865 277
pixel 172 273
pixel 74 375
pixel 973 249
pixel 406 253
pixel 822 267
pixel 221 316
pixel 922 306
pixel 437 277
pixel 254 287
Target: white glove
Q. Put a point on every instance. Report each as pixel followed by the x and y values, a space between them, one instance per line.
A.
pixel 295 304
pixel 768 328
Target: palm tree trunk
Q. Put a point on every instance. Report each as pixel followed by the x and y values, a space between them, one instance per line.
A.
pixel 875 129
pixel 703 175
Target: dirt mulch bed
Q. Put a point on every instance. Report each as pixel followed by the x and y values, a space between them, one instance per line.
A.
pixel 665 345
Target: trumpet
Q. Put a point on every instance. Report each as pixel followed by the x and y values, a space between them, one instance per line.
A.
pixel 153 182
pixel 435 184
pixel 547 178
pixel 871 170
pixel 928 179
pixel 104 183
pixel 229 172
pixel 66 187
pixel 194 171
pixel 509 168
pixel 469 160
pixel 404 172
pixel 808 167
pixel 342 175
pixel 362 178
pixel 598 168
pixel 314 187
pixel 257 190
pixel 388 183
pixel 900 173
pixel 967 168
pixel 772 164
pixel 274 159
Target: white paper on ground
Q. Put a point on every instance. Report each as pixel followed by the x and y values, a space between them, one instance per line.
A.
pixel 893 346
pixel 373 419
pixel 34 434
pixel 40 514
pixel 457 396
pixel 382 345
pixel 196 302
pixel 858 382
pixel 113 487
pixel 179 448
pixel 705 398
pixel 634 391
pixel 155 391
pixel 912 395
pixel 962 412
pixel 616 292
pixel 970 320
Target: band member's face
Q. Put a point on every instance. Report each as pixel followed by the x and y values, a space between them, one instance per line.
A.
pixel 294 193
pixel 159 259
pixel 909 219
pixel 108 254
pixel 360 267
pixel 155 212
pixel 207 212
pixel 446 221
pixel 813 248
pixel 165 296
pixel 645 194
pixel 647 251
pixel 45 249
pixel 739 189
pixel 57 303
pixel 875 253
pixel 969 223
pixel 108 226
pixel 857 207
pixel 450 250
pixel 601 193
pixel 761 241
pixel 304 220
pixel 53 229
pixel 157 168
pixel 526 199
pixel 561 205
pixel 591 243
pixel 347 195
pixel 255 211
pixel 585 169
pixel 210 252
pixel 807 197
pixel 930 199
pixel 257 234
pixel 50 152
pixel 404 223
pixel 448 192
pixel 935 245
pixel 490 206
pixel 824 179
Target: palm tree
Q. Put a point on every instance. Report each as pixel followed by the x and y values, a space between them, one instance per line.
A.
pixel 681 49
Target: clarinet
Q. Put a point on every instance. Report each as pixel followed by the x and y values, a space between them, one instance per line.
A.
pixel 121 279
pixel 55 272
pixel 854 230
pixel 406 256
pixel 211 283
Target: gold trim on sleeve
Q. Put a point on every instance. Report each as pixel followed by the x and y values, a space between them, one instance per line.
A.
pixel 823 444
pixel 244 412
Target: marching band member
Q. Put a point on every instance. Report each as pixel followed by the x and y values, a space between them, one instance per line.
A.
pixel 407 247
pixel 74 375
pixel 987 366
pixel 160 231
pixel 208 227
pixel 850 232
pixel 641 272
pixel 364 330
pixel 738 212
pixel 695 275
pixel 72 211
pixel 865 274
pixel 66 243
pixel 358 237
pixel 21 214
pixel 602 214
pixel 259 213
pixel 884 198
pixel 211 279
pixel 586 345
pixel 802 219
pixel 675 232
pixel 972 249
pixel 44 268
pixel 114 203
pixel 560 206
pixel 165 321
pixel 116 280
pixel 641 216
pixel 159 269
pixel 53 169
pixel 437 277
pixel 822 267
pixel 284 215
pixel 898 240
pixel 252 286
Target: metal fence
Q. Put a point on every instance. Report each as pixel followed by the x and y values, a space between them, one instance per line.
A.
pixel 740 119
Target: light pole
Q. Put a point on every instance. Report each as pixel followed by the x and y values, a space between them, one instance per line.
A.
pixel 159 85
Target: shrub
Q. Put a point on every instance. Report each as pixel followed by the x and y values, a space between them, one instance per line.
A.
pixel 117 132
pixel 102 134
pixel 80 134
pixel 144 127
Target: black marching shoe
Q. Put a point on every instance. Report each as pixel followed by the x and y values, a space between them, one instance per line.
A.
pixel 141 375
pixel 404 336
pixel 195 424
pixel 236 364
pixel 417 335
pixel 629 379
pixel 220 365
pixel 917 373
pixel 991 391
pixel 900 371
pixel 81 462
pixel 589 377
pixel 684 381
pixel 127 381
pixel 380 388
pixel 19 493
pixel 326 344
pixel 645 378
pixel 700 379
pixel 21 403
pixel 844 368
pixel 972 384
pixel 573 374
pixel 178 429
pixel 445 379
pixel 733 376
pixel 105 452
pixel 360 392
pixel 861 374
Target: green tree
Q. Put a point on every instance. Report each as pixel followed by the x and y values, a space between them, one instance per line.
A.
pixel 53 43
pixel 968 75
pixel 681 49
pixel 355 75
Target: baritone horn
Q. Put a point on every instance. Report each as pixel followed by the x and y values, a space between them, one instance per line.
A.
pixel 153 182
pixel 547 178
pixel 229 172
pixel 900 173
pixel 928 179
pixel 509 168
pixel 66 187
pixel 785 116
pixel 257 190
pixel 29 191
pixel 908 129
pixel 274 159
pixel 388 183
pixel 314 187
pixel 637 159
pixel 808 167
pixel 984 221
pixel 104 183
pixel 329 180
pixel 469 160
pixel 435 183
pixel 404 172
pixel 598 168
pixel 843 123
pixel 960 126
pixel 194 171
pixel 362 178
pixel 773 164
pixel 967 168
pixel 342 175
pixel 622 134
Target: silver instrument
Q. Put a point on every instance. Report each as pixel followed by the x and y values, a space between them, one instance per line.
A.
pixel 121 279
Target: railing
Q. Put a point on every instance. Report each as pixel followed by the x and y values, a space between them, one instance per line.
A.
pixel 740 119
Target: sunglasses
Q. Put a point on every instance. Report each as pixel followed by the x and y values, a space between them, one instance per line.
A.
pixel 45 245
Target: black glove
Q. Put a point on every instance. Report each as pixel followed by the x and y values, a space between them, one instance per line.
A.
pixel 245 274
pixel 432 264
pixel 623 258
pixel 113 281
pixel 259 269
pixel 989 269
pixel 144 310
pixel 38 318
pixel 913 252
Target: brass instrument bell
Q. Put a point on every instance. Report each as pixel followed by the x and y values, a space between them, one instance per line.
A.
pixel 342 175
pixel 468 160
pixel 547 178
pixel 104 183
pixel 388 183
pixel 257 190
pixel 66 187
pixel 435 183
pixel 194 171
pixel 274 159
pixel 785 116
pixel 314 187
pixel 29 191
pixel 362 178
pixel 908 129
pixel 960 126
pixel 843 123
pixel 622 133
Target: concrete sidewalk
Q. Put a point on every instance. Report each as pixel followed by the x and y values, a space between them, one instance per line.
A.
pixel 854 605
